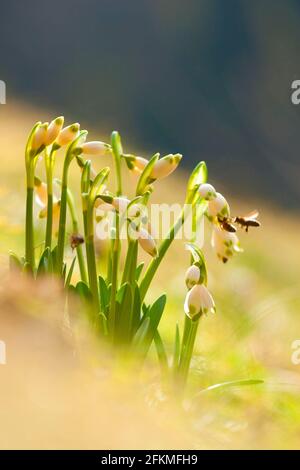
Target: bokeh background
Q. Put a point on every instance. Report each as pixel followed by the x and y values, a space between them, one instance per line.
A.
pixel 210 79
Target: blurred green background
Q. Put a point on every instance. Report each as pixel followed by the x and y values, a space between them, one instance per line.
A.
pixel 208 78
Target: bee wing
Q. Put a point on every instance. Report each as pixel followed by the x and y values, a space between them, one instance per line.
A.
pixel 251 215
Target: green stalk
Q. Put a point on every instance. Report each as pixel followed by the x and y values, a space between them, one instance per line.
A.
pixel 30 162
pixel 29 240
pixel 75 226
pixel 91 258
pixel 165 244
pixel 114 275
pixel 62 218
pixel 187 348
pixel 63 202
pixel 49 160
pixel 130 262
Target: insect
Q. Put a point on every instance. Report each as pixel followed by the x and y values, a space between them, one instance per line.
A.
pixel 75 240
pixel 248 220
pixel 226 224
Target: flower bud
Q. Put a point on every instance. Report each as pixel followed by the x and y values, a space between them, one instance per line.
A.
pixel 67 134
pixel 95 148
pixel 218 206
pixel 198 301
pixel 138 164
pixel 192 276
pixel 225 243
pixel 53 130
pixel 207 191
pixel 165 166
pixel 147 242
pixel 39 137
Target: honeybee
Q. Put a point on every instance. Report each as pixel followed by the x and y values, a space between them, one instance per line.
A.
pixel 248 220
pixel 75 240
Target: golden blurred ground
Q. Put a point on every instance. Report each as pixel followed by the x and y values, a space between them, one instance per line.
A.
pixel 51 400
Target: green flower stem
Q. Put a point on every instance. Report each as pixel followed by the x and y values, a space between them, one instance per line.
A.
pixel 62 218
pixel 75 226
pixel 130 262
pixel 29 242
pixel 164 246
pixel 187 348
pixel 114 275
pixel 49 160
pixel 91 258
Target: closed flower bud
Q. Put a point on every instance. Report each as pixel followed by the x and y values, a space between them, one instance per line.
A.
pixel 53 130
pixel 39 137
pixel 198 301
pixel 147 243
pixel 138 164
pixel 67 134
pixel 165 166
pixel 225 244
pixel 95 148
pixel 207 192
pixel 192 276
pixel 218 206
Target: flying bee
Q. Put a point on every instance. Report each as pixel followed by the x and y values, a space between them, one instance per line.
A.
pixel 75 240
pixel 248 220
pixel 226 224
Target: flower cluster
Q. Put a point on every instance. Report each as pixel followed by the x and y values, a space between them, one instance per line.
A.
pixel 115 299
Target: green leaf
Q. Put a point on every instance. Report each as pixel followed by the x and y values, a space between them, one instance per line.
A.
pixel 84 292
pixel 138 271
pixel 176 356
pixel 145 176
pixel 45 264
pixel 136 310
pixel 233 384
pixel 15 263
pixel 27 268
pixel 161 354
pixel 154 315
pixel 104 294
pixel 124 318
pixel 141 333
pixel 69 276
pixel 198 176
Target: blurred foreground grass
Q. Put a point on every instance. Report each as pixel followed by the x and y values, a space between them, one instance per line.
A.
pixel 257 296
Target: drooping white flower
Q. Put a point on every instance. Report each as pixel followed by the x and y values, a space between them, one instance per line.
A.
pixel 224 243
pixel 146 242
pixel 53 130
pixel 198 301
pixel 39 137
pixel 55 215
pixel 165 166
pixel 218 206
pixel 95 148
pixel 67 134
pixel 120 203
pixel 207 191
pixel 192 276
